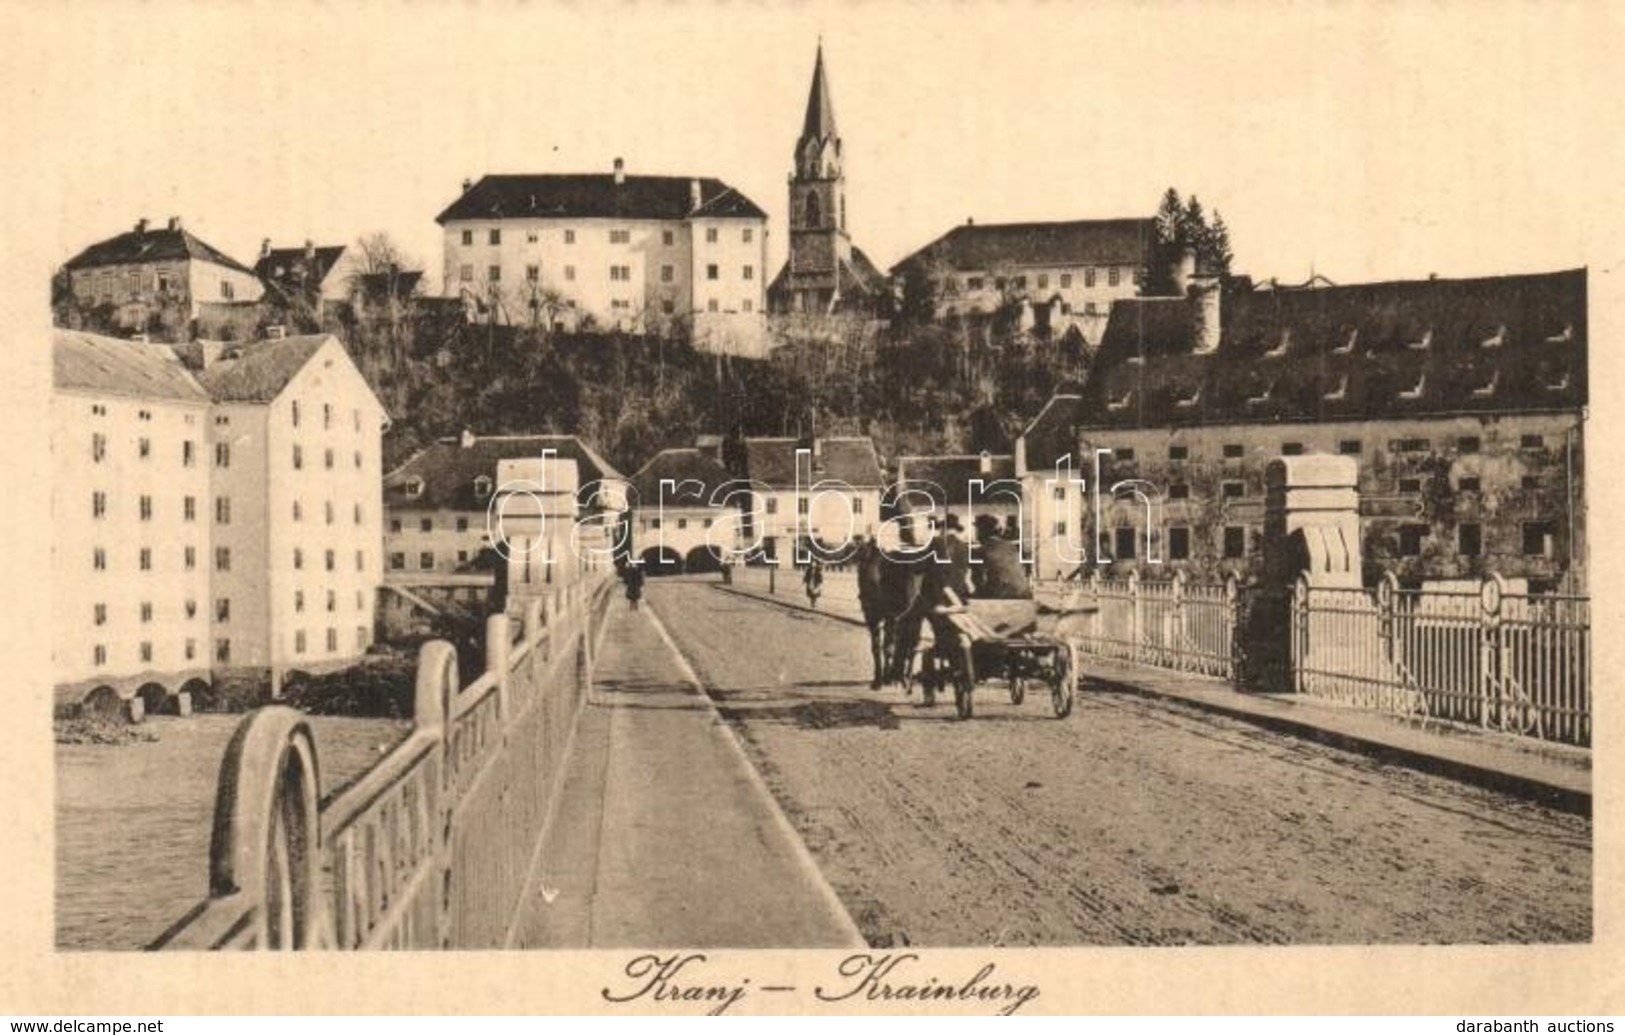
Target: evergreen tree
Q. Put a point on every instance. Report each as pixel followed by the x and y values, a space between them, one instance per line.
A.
pixel 1218 255
pixel 1170 216
pixel 1193 229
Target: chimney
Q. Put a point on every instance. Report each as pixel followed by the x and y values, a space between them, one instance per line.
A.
pixel 265 248
pixel 1204 308
pixel 140 226
pixel 468 185
pixel 1182 270
pixel 174 222
pixel 694 195
pixel 986 463
pixel 310 250
pixel 620 172
pixel 970 220
pixel 466 439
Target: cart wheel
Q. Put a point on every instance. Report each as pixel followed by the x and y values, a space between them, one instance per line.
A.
pixel 1060 684
pixel 962 694
pixel 1018 690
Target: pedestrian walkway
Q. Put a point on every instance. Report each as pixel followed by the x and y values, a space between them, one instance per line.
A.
pixel 1554 774
pixel 667 836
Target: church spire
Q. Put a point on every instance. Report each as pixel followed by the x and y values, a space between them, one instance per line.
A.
pixel 820 121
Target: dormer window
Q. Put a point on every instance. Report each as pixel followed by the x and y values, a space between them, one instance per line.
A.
pixel 1495 340
pixel 1415 391
pixel 482 487
pixel 1423 343
pixel 1282 346
pixel 413 487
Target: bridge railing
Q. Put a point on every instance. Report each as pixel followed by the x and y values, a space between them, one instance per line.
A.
pixel 1174 624
pixel 436 845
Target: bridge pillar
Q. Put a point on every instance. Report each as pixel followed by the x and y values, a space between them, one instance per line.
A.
pixel 496 657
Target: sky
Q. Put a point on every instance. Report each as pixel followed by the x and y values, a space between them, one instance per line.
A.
pixel 1364 142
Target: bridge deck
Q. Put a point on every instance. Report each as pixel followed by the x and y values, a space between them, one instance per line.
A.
pixel 667 835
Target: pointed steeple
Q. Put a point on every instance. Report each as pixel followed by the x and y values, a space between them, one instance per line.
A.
pixel 820 121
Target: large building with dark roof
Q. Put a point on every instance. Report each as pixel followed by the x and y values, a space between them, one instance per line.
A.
pixel 1463 401
pixel 824 272
pixel 806 492
pixel 689 511
pixel 1059 273
pixel 139 272
pixel 612 251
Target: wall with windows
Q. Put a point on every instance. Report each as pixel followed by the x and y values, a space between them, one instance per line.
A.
pixel 432 540
pixel 1085 290
pixel 132 286
pixel 1440 498
pixel 130 555
pixel 831 516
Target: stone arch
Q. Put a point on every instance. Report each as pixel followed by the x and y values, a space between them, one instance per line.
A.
pixel 661 560
pixel 702 559
pixel 103 702
pixel 154 697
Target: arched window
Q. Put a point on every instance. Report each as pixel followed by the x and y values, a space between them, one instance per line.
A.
pixel 814 216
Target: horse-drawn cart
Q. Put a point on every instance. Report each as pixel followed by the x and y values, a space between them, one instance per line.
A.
pixel 1000 639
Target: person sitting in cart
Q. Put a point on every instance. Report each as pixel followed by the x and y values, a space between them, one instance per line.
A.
pixel 1000 575
pixel 944 588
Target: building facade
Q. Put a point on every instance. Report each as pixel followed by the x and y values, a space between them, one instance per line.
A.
pixel 644 254
pixel 1463 401
pixel 137 274
pixel 823 491
pixel 824 272
pixel 688 512
pixel 980 490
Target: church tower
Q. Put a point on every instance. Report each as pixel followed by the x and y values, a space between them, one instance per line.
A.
pixel 824 272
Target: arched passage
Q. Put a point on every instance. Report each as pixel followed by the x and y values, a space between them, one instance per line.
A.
pixel 702 560
pixel 103 702
pixel 154 698
pixel 662 560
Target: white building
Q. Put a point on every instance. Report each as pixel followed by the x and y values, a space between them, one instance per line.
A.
pixel 826 490
pixel 217 512
pixel 612 252
pixel 138 273
pixel 1056 485
pixel 688 513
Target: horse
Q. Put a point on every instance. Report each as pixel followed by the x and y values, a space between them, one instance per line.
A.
pixel 887 588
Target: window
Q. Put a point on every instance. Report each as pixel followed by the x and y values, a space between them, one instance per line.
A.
pixel 426 560
pixel 1059 527
pixel 189 508
pixel 493 274
pixel 331 559
pixel 495 237
pixel 294 412
pixel 1112 276
pixel 1532 442
pixel 569 273
pixel 1410 540
pixel 1179 543
pixel 532 236
pixel 667 274
pixel 360 601
pixel 1066 280
pixel 1291 448
pixel 465 272
pixel 1468 444
pixel 100 612
pixel 1349 447
pixel 1233 451
pixel 1179 491
pixel 299 601
pixel 747 306
pixel 222 609
pixel 974 283
pixel 222 651
pixel 857 506
pixel 299 641
pixel 1234 490
pixel 99 654
pixel 682 523
pixel 772 505
pixel 710 235
pixel 711 306
pixel 1019 283
pixel 191 648
pixel 327 415
pixel 394 524
pixel 298 457
pixel 1470 539
pixel 222 510
pixel 298 558
pixel 145 505
pixel 222 558
pixel 1467 485
pixel 1538 537
pixel 1059 493
pixel 748 273
pixel 1043 280
pixel 1089 277
pixel 327 510
pixel 298 511
pixel 1531 481
pixel 748 234
pixel 1123 454
pixel 1409 445
pixel 1179 452
pixel 462 522
pixel 225 290
pixel 332 600
pixel 801 504
pixel 98 447
pixel 620 303
pixel 332 639
pixel 426 525
pixel 620 237
pixel 1124 547
pixel 98 559
pixel 145 558
pixel 1410 485
pixel 620 273
pixel 711 271
pixel 327 459
pixel 98 504
pixel 188 453
pixel 357 510
pixel 191 609
pixel 146 648
pixel 462 558
pixel 1235 542
pixel 358 459
pixel 667 238
pixel 468 238
pixel 361 560
pixel 533 273
pixel 668 307
pixel 397 562
pixel 189 559
pixel 569 237
pixel 143 448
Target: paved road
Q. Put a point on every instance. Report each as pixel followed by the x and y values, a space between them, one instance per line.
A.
pixel 1133 822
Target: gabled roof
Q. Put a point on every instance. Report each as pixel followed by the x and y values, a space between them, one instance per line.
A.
pixel 1359 351
pixel 291 267
pixel 858 278
pixel 1053 433
pixel 680 465
pixel 448 469
pixel 91 363
pixel 1083 242
pixel 257 372
pixel 948 478
pixel 157 245
pixel 598 196
pixel 772 461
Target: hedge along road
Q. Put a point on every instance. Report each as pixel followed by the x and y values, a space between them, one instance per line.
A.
pixel 1134 821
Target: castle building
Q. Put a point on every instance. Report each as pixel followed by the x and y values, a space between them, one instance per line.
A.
pixel 1463 402
pixel 138 273
pixel 825 272
pixel 642 254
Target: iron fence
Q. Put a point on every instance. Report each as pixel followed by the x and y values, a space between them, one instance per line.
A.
pixel 1174 624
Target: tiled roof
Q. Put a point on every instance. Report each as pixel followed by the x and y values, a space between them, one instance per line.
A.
pixel 289 267
pixel 679 465
pixel 858 278
pixel 1084 242
pixel 448 469
pixel 257 372
pixel 598 196
pixel 91 363
pixel 772 461
pixel 948 478
pixel 1397 349
pixel 143 246
pixel 1053 433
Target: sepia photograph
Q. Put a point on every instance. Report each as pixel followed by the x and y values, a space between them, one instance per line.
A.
pixel 871 479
